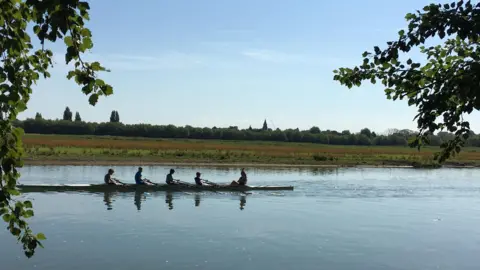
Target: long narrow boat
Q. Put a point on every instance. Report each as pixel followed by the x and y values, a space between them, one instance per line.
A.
pixel 134 187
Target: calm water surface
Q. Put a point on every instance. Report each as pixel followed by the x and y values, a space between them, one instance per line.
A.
pixel 334 219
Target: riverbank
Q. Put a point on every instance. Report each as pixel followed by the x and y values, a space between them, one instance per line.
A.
pixel 121 151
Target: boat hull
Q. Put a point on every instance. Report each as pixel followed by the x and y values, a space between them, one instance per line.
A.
pixel 134 188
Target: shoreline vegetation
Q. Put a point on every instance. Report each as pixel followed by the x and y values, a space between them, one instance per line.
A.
pixel 132 151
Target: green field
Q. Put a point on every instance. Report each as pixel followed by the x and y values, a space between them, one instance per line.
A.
pixel 64 149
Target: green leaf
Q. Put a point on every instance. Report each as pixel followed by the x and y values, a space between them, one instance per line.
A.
pixel 96 66
pixel 99 82
pixel 7 217
pixel 93 99
pixel 14 192
pixel 86 32
pixel 16 231
pixel 41 236
pixel 28 213
pixel 21 106
pixel 107 90
pixel 36 29
pixel 86 44
pixel 68 41
pixel 28 204
pixel 71 73
pixel 401 33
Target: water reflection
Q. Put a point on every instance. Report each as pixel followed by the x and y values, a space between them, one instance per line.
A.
pixel 197 200
pixel 107 198
pixel 141 197
pixel 169 200
pixel 243 201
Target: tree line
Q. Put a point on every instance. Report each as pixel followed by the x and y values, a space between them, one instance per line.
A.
pixel 114 127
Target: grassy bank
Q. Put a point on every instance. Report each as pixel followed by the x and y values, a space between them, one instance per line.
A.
pixel 61 149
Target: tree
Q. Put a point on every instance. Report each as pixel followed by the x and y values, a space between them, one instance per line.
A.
pixel 265 126
pixel 38 116
pixel 67 114
pixel 22 66
pixel 315 130
pixel 366 132
pixel 445 86
pixel 77 117
pixel 114 117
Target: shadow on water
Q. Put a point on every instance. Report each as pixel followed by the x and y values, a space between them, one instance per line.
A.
pixel 141 197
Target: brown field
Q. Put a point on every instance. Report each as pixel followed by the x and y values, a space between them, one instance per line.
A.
pixel 59 148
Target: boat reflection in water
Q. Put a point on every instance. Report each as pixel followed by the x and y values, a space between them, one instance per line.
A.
pixel 141 196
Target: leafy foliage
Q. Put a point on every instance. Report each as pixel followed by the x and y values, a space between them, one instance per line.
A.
pixel 22 66
pixel 313 135
pixel 114 117
pixel 67 114
pixel 265 126
pixel 77 117
pixel 446 86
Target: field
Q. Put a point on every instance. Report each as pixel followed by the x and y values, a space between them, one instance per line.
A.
pixel 64 149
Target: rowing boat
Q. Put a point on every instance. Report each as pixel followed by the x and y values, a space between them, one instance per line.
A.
pixel 134 187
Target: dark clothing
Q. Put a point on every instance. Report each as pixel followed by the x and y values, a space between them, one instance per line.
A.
pixel 138 178
pixel 198 181
pixel 169 179
pixel 242 181
pixel 108 180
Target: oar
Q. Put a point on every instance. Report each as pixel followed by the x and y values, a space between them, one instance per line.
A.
pixel 211 183
pixel 150 182
pixel 183 183
pixel 118 181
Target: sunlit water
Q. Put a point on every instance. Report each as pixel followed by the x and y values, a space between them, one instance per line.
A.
pixel 334 219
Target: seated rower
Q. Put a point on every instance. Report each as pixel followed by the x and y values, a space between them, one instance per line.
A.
pixel 109 180
pixel 198 180
pixel 139 180
pixel 170 179
pixel 242 181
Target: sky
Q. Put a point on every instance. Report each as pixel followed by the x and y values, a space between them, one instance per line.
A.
pixel 225 63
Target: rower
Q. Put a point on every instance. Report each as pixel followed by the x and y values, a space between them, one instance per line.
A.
pixel 170 179
pixel 139 180
pixel 198 180
pixel 242 181
pixel 109 180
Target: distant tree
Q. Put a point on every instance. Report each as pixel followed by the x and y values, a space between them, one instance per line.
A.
pixel 391 131
pixel 250 128
pixel 366 132
pixel 346 132
pixel 314 130
pixel 67 114
pixel 77 117
pixel 38 116
pixel 114 117
pixel 265 126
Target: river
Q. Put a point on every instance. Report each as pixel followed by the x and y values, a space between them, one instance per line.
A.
pixel 346 218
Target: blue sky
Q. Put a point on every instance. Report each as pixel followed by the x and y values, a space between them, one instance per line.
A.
pixel 224 62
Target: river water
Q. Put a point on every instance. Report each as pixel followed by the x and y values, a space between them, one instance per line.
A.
pixel 350 218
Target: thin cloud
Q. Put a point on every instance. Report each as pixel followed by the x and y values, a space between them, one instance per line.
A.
pixel 274 56
pixel 168 60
